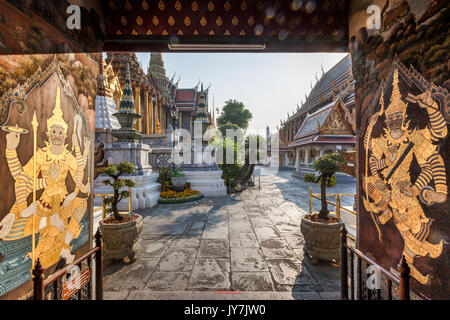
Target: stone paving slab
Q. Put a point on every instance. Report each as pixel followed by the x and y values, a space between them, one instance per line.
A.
pixel 209 274
pixel 252 281
pixel 168 281
pixel 214 248
pixel 247 259
pixel 248 242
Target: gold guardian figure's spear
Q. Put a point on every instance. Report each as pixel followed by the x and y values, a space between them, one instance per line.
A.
pixel 35 124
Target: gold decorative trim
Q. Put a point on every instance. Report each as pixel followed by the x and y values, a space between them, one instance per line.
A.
pixel 178 6
pixel 235 21
pixel 203 22
pixel 161 5
pixel 227 6
pixel 128 5
pixel 171 21
pixel 219 21
pixel 123 20
pixel 187 21
pixel 139 20
pixel 210 6
pixel 155 20
pixel 243 5
pixel 251 21
pixel 145 5
pixel 194 6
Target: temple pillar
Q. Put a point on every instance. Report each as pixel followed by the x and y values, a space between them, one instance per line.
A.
pixel 307 155
pixel 137 105
pixel 297 160
pixel 146 117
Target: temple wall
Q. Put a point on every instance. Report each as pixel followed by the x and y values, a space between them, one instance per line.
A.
pixel 413 39
pixel 29 84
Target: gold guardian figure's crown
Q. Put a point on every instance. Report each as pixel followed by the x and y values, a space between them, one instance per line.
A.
pixel 396 104
pixel 57 118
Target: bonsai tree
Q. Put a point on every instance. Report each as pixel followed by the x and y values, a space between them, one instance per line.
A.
pixel 327 165
pixel 115 172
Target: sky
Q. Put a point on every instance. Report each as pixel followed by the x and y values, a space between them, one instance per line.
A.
pixel 269 84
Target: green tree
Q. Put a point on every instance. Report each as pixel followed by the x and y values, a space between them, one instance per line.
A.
pixel 235 112
pixel 117 183
pixel 327 165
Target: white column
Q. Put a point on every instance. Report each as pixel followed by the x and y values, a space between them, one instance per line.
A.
pixel 297 161
pixel 307 155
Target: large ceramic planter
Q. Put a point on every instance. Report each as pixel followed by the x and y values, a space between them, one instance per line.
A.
pixel 121 240
pixel 178 183
pixel 322 240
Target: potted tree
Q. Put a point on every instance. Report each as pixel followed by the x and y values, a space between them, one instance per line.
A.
pixel 120 231
pixel 178 179
pixel 320 230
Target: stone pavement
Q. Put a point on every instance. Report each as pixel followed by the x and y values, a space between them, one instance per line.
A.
pixel 213 248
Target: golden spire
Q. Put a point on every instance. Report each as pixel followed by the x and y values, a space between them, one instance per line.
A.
pixel 57 118
pixel 396 103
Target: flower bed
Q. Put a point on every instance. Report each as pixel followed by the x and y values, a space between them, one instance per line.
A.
pixel 172 196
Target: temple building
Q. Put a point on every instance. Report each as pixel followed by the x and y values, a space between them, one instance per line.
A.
pixel 324 123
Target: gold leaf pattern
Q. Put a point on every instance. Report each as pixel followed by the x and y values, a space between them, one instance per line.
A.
pixel 178 6
pixel 161 5
pixel 128 5
pixel 134 33
pixel 171 21
pixel 164 33
pixel 227 33
pixel 139 20
pixel 243 5
pixel 149 32
pixel 210 6
pixel 219 21
pixel 118 32
pixel 251 21
pixel 211 33
pixel 145 5
pixel 124 20
pixel 242 33
pixel 203 22
pixel 155 20
pixel 235 21
pixel 180 33
pixel 187 21
pixel 194 6
pixel 227 6
pixel 266 21
pixel 195 33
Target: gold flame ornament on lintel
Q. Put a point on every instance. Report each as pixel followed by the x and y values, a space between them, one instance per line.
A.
pixel 227 6
pixel 128 5
pixel 123 20
pixel 194 6
pixel 139 21
pixel 171 21
pixel 203 22
pixel 251 21
pixel 187 21
pixel 243 5
pixel 145 5
pixel 178 6
pixel 235 21
pixel 161 5
pixel 219 21
pixel 210 6
pixel 155 20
